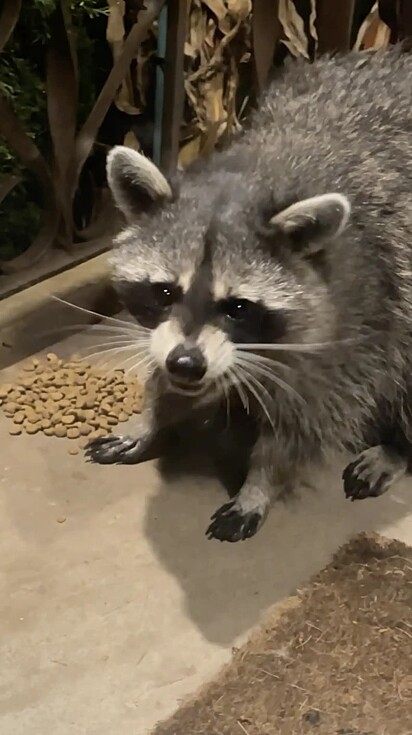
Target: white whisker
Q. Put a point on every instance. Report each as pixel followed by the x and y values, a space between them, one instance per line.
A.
pixel 221 381
pixel 93 313
pixel 268 362
pixel 91 327
pixel 265 372
pixel 281 347
pixel 254 387
pixel 113 342
pixel 237 385
pixel 147 361
pixel 117 348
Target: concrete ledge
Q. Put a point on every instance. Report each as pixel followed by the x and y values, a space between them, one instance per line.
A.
pixel 30 320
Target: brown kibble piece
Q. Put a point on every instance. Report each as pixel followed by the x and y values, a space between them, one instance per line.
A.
pixel 89 401
pixel 73 433
pixel 60 430
pixel 15 430
pixel 51 357
pixel 31 417
pixel 123 416
pixel 19 417
pixel 68 419
pixel 103 424
pixel 10 407
pixel 5 390
pixel 33 428
pixel 74 450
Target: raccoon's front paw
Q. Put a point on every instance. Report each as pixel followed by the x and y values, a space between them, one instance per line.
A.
pixel 372 473
pixel 114 450
pixel 232 523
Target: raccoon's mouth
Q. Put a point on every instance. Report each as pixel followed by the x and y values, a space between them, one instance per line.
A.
pixel 187 389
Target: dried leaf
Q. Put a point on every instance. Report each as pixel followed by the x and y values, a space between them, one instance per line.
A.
pixel 218 9
pixel 214 57
pixel 130 140
pixel 373 33
pixel 312 24
pixel 230 97
pixel 294 29
pixel 189 152
pixel 240 9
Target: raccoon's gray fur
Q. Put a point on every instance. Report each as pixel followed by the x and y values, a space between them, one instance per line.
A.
pixel 297 240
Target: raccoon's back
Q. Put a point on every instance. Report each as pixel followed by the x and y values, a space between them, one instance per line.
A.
pixel 340 124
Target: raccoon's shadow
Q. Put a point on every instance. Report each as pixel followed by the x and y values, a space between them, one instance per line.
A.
pixel 227 587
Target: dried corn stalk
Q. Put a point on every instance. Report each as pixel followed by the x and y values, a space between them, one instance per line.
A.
pixel 218 45
pixel 218 50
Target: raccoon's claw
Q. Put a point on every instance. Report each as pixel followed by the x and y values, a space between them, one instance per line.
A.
pixel 372 473
pixel 114 450
pixel 356 488
pixel 229 523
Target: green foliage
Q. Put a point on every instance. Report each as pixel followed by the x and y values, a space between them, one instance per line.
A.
pixel 22 81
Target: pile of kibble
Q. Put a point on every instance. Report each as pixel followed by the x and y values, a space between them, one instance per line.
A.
pixel 69 398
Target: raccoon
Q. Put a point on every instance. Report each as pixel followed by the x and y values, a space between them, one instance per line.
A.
pixel 273 288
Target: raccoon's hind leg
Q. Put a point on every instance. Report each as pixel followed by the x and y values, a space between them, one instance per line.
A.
pixel 373 472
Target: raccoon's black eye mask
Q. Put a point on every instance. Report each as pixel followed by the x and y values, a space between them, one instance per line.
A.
pixel 249 321
pixel 242 320
pixel 149 302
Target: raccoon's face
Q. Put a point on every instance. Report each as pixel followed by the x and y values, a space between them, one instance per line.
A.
pixel 212 287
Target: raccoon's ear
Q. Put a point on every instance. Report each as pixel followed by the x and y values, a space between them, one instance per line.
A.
pixel 308 224
pixel 135 182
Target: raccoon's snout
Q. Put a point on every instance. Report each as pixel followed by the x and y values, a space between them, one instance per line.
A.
pixel 187 366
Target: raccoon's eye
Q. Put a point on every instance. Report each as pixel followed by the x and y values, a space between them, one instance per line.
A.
pixel 165 294
pixel 236 309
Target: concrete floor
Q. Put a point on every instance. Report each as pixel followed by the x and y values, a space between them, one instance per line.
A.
pixel 110 618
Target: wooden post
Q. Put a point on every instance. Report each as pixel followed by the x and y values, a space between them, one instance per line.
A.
pixel 173 100
pixel 266 30
pixel 334 25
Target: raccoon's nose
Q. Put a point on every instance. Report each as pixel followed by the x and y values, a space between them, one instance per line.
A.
pixel 186 364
